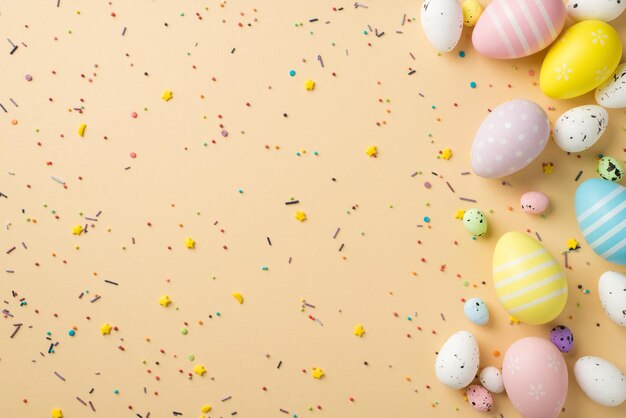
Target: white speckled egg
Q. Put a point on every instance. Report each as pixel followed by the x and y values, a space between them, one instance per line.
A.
pixel 442 23
pixel 612 93
pixel 581 127
pixel 612 291
pixel 457 361
pixel 491 378
pixel 602 381
pixel 604 10
pixel 509 139
pixel 534 203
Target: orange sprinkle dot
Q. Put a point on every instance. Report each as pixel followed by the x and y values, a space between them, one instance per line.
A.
pixel 496 353
pixel 14 122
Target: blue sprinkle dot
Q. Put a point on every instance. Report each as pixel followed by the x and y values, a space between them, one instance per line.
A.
pixel 426 219
pixel 72 333
pixel 409 318
pixel 473 84
pixel 292 73
pixel 240 191
pixel 462 54
pixel 116 392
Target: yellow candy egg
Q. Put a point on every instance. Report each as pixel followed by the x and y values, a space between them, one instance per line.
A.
pixel 471 12
pixel 580 60
pixel 529 282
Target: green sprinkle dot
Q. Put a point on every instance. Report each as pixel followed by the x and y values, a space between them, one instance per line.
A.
pixel 191 357
pixel 465 283
pixel 184 331
pixel 218 314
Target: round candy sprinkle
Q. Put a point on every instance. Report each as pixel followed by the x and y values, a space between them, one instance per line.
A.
pixel 292 72
pixel 28 77
pixel 71 333
pixel 473 84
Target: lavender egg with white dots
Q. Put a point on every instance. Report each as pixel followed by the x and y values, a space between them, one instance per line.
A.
pixel 511 137
pixel 562 337
pixel 476 311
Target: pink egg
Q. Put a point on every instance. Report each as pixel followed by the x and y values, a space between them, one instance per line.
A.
pixel 535 377
pixel 509 139
pixel 479 398
pixel 534 203
pixel 514 29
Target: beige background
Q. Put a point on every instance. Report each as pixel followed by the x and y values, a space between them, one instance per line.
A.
pixel 175 179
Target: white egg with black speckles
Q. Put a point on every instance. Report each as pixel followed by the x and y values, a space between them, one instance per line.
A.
pixel 602 381
pixel 457 362
pixel 581 127
pixel 491 378
pixel 612 291
pixel 442 23
pixel 604 10
pixel 612 93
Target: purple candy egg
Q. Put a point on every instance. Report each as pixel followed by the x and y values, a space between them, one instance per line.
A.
pixel 562 338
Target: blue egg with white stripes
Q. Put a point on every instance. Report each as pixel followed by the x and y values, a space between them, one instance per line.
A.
pixel 601 215
pixel 476 311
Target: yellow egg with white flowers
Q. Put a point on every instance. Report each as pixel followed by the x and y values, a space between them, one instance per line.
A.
pixel 529 282
pixel 583 58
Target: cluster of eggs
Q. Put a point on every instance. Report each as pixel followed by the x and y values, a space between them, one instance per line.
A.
pixel 528 280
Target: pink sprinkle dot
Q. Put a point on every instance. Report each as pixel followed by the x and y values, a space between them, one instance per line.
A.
pixel 531 73
pixel 133 155
pixel 133 115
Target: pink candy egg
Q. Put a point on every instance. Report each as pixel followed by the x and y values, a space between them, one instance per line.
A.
pixel 513 28
pixel 509 139
pixel 535 378
pixel 479 398
pixel 534 203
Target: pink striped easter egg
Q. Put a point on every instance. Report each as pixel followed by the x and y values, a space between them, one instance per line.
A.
pixel 518 28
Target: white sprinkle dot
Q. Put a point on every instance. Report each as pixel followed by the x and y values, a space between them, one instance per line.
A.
pixel 507 125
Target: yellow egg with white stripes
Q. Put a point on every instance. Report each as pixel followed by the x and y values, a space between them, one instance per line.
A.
pixel 529 282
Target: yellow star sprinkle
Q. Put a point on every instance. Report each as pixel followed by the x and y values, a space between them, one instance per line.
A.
pixel 371 151
pixel 446 154
pixel 459 214
pixel 301 216
pixel 199 369
pixel 206 408
pixel 81 130
pixel 238 297
pixel 513 319
pixel 57 413
pixel 309 85
pixel 164 300
pixel 359 330
pixel 547 168
pixel 105 329
pixel 190 243
pixel 317 373
pixel 77 230
pixel 572 244
pixel 167 95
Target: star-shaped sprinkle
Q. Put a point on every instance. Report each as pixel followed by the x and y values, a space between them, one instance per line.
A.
pixel 459 214
pixel 77 230
pixel 167 95
pixel 81 130
pixel 359 330
pixel 199 369
pixel 190 243
pixel 547 168
pixel 309 85
pixel 164 300
pixel 572 244
pixel 206 408
pixel 239 297
pixel 105 329
pixel 317 373
pixel 57 413
pixel 371 151
pixel 446 153
pixel 301 216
